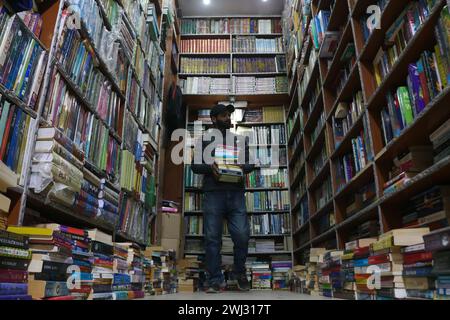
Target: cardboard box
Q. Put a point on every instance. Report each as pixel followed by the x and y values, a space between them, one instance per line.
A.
pixel 170 225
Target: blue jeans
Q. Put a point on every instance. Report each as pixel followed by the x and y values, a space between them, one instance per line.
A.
pixel 218 205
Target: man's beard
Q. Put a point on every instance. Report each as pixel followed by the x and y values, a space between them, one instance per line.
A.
pixel 223 125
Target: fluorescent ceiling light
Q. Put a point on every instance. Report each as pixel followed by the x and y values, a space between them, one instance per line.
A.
pixel 206 2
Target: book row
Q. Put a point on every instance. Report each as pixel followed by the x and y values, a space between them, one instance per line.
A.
pixel 232 25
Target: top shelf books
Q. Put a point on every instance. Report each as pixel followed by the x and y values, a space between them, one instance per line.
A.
pixel 222 26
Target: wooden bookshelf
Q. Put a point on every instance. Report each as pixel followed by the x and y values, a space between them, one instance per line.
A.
pixel 51 12
pixel 190 114
pixel 384 209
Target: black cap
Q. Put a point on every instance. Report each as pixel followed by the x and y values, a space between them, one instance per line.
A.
pixel 221 108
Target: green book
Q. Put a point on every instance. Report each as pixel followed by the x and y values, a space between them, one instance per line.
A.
pixel 405 105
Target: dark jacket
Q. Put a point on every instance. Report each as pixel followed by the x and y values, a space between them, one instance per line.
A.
pixel 209 181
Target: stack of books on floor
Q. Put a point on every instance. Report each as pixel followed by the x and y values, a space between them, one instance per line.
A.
pixel 102 248
pixel 261 276
pixel 331 271
pixel 51 257
pixel 394 265
pixel 122 281
pixel 135 270
pixel 297 279
pixel 163 270
pixel 189 270
pixel 437 243
pixel 281 265
pixel 81 258
pixel 348 266
pixel 14 261
pixel 313 267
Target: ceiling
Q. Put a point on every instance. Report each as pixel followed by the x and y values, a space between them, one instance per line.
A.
pixel 231 7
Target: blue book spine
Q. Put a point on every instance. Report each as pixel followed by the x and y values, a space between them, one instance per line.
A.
pixel 16 297
pixel 31 65
pixel 7 289
pixel 13 140
pixel 361 262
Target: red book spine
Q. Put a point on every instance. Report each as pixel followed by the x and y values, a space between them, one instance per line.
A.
pixel 13 276
pixel 410 258
pixel 6 133
pixel 362 251
pixel 384 258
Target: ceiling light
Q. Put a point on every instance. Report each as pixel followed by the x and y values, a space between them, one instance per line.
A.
pixel 206 2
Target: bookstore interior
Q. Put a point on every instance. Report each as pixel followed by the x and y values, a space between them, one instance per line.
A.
pixel 346 107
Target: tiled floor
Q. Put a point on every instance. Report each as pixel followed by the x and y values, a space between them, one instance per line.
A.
pixel 251 295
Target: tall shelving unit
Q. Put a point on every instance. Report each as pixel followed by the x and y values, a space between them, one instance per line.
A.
pixel 382 209
pixel 197 189
pixel 33 204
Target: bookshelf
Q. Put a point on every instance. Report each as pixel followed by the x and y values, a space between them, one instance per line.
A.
pixel 132 70
pixel 339 218
pixel 271 231
pixel 233 40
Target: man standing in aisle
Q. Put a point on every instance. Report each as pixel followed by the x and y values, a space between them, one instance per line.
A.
pixel 223 199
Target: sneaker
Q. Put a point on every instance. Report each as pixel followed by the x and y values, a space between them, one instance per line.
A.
pixel 214 288
pixel 242 283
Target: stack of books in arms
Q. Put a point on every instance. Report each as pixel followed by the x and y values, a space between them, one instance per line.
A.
pixel 226 158
pixel 22 59
pixel 14 261
pixel 51 256
pixel 436 243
